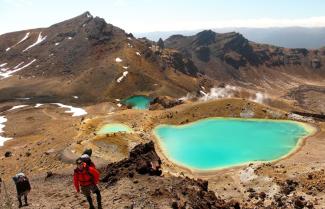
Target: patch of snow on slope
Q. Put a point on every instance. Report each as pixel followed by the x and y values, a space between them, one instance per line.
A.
pixel 57 43
pixel 218 93
pixel 3 64
pixel 117 59
pixel 75 97
pixel 17 66
pixel 22 40
pixel 74 110
pixel 119 105
pixel 39 40
pixel 123 76
pixel 138 53
pixel 10 72
pixel 3 120
pixel 17 107
pixel 203 93
pixel 69 37
pixel 125 67
pixel 38 105
pixel 7 49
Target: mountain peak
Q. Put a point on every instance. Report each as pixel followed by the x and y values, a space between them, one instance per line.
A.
pixel 87 14
pixel 205 37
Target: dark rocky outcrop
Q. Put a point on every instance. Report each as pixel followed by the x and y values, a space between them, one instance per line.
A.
pixel 181 192
pixel 99 30
pixel 163 102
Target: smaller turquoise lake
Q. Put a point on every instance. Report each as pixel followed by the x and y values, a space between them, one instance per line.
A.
pixel 138 102
pixel 222 142
pixel 114 128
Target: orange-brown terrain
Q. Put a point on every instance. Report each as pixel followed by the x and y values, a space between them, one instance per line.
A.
pixel 83 61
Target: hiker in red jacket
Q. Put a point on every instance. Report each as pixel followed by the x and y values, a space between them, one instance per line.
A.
pixel 86 178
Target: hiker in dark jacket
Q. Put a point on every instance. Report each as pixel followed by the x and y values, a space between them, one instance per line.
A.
pixel 86 178
pixel 22 186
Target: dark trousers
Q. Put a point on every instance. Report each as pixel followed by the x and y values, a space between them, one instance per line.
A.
pixel 19 196
pixel 87 190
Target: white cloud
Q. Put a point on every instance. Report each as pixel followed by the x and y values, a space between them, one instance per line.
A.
pixel 253 23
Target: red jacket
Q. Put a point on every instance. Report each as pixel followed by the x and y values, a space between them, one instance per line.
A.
pixel 85 177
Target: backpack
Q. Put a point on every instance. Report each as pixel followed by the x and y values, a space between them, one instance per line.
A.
pixel 22 184
pixel 21 179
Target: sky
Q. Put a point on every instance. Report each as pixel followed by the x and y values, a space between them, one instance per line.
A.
pixel 165 15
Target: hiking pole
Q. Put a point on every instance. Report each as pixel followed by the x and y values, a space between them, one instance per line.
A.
pixel 7 198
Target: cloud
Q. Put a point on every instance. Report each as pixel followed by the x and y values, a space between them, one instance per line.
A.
pixel 250 23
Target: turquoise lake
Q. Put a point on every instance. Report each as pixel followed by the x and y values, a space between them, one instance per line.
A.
pixel 138 102
pixel 114 128
pixel 219 142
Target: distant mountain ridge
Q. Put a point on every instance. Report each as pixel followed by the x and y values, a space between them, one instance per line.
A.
pixel 97 61
pixel 289 37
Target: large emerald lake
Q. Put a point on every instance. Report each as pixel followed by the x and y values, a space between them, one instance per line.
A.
pixel 224 142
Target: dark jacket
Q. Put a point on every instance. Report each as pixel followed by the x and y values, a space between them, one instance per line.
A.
pixel 22 184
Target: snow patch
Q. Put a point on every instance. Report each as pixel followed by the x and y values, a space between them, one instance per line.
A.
pixel 39 40
pixel 3 120
pixel 203 93
pixel 17 107
pixel 3 64
pixel 69 37
pixel 57 43
pixel 123 76
pixel 138 53
pixel 117 100
pixel 7 49
pixel 17 66
pixel 24 98
pixel 75 97
pixel 129 38
pixel 218 93
pixel 130 45
pixel 23 39
pixel 125 67
pixel 38 105
pixel 119 105
pixel 74 110
pixel 7 74
pixel 117 59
